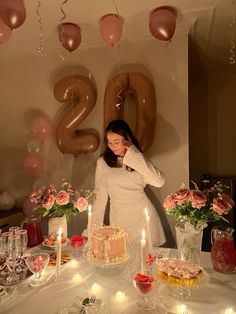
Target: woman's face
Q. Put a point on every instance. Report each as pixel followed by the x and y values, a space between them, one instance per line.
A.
pixel 116 143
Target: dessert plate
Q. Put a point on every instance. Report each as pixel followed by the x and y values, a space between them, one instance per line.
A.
pixel 44 243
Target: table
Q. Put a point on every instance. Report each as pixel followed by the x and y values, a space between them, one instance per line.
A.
pixel 212 298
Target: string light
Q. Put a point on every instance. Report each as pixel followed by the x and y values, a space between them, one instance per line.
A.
pixel 232 58
pixel 41 39
pixel 62 54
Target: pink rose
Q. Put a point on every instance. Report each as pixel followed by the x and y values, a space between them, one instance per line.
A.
pixel 198 199
pixel 182 196
pixel 227 200
pixel 169 202
pixel 48 201
pixel 222 204
pixel 81 204
pixel 62 198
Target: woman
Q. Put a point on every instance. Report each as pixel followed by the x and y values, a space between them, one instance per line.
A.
pixel 121 175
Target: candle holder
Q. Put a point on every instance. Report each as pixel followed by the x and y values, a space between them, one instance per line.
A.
pixel 144 284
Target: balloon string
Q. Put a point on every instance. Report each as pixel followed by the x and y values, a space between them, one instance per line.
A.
pixel 40 48
pixel 62 53
pixel 62 10
pixel 232 59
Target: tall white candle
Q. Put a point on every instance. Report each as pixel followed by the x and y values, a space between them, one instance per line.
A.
pixel 149 236
pixel 58 248
pixel 89 226
pixel 143 245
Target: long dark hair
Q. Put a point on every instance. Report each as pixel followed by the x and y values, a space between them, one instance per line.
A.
pixel 122 128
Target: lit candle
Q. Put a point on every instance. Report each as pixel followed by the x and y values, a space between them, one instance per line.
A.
pixel 89 227
pixel 120 296
pixel 58 248
pixel 96 288
pixel 229 311
pixel 148 230
pixel 182 309
pixel 143 245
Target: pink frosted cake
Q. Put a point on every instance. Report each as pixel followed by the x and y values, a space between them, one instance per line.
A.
pixel 108 244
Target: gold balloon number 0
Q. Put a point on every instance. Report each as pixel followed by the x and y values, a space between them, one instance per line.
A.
pixel 80 94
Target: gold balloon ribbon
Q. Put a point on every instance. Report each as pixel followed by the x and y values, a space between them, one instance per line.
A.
pixel 120 100
pixel 232 58
pixel 40 47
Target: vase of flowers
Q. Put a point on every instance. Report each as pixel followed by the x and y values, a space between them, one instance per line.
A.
pixel 60 204
pixel 193 208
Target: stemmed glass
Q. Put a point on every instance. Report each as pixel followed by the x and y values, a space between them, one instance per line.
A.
pixel 37 263
pixel 144 284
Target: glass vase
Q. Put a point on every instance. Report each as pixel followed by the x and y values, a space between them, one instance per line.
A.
pixel 189 242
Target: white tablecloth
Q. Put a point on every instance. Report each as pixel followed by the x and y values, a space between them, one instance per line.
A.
pixel 212 298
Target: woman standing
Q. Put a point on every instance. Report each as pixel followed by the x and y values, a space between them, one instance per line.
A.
pixel 122 172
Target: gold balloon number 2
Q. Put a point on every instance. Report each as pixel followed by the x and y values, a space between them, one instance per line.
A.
pixel 80 94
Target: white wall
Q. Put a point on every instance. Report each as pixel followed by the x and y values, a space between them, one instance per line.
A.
pixel 28 91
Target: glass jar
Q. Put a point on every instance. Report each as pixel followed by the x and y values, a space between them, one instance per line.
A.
pixel 223 253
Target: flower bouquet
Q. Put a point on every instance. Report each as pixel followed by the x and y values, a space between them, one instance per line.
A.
pixel 193 209
pixel 64 201
pixel 199 207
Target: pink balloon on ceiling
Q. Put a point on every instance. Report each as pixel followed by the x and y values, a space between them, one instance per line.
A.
pixel 12 12
pixel 69 36
pixel 5 32
pixel 111 28
pixel 162 23
pixel 33 165
pixel 41 128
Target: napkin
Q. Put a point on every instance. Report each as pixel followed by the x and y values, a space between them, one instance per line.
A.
pixel 75 307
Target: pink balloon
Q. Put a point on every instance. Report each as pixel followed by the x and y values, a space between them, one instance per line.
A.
pixel 111 28
pixel 69 36
pixel 5 32
pixel 28 208
pixel 41 128
pixel 33 165
pixel 162 23
pixel 12 12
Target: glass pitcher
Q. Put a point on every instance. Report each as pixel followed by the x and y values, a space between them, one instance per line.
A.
pixel 223 253
pixel 34 233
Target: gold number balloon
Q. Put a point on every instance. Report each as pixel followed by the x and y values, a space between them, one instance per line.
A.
pixel 145 98
pixel 81 95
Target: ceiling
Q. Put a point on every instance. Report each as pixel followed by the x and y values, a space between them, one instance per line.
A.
pixel 207 20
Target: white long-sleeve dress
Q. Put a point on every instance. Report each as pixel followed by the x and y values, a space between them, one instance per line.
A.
pixel 127 197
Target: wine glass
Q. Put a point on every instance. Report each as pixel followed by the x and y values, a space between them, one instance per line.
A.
pixel 37 263
pixel 144 284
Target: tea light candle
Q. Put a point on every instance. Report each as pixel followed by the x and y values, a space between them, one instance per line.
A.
pixel 148 230
pixel 96 288
pixel 58 246
pixel 182 309
pixel 143 245
pixel 120 296
pixel 229 311
pixel 89 226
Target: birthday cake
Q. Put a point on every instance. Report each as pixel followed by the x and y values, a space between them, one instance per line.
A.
pixel 177 272
pixel 108 244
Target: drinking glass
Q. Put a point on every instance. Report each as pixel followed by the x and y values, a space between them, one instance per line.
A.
pixel 37 263
pixel 14 229
pixel 144 284
pixel 13 246
pixel 5 242
pixel 23 240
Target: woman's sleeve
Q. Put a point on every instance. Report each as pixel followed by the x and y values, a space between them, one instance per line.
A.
pixel 136 160
pixel 101 195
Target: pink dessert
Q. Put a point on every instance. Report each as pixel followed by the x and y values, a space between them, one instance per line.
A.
pixel 108 244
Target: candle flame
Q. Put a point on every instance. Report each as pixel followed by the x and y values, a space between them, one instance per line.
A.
pixel 59 232
pixel 143 234
pixel 89 208
pixel 146 212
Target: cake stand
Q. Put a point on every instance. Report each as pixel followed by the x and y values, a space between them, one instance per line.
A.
pixel 183 290
pixel 110 268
